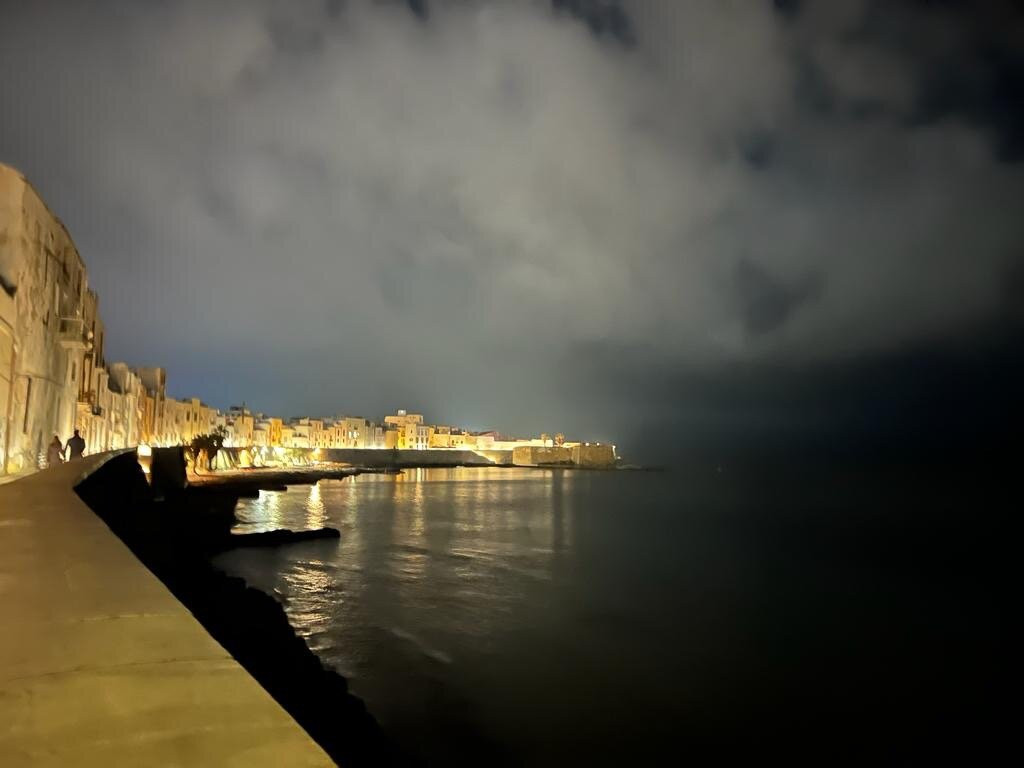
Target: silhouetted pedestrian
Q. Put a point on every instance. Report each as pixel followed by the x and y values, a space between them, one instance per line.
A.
pixel 76 446
pixel 54 453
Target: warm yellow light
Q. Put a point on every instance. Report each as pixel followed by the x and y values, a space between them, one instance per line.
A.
pixel 145 450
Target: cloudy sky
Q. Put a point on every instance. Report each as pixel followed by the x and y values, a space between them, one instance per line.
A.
pixel 687 220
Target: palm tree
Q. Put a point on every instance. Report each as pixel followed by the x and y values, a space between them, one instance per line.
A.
pixel 207 445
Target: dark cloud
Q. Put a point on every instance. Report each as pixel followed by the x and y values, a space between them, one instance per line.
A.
pixel 419 7
pixel 766 303
pixel 463 206
pixel 965 61
pixel 603 17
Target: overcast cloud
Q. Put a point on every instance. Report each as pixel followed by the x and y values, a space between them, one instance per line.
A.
pixel 519 214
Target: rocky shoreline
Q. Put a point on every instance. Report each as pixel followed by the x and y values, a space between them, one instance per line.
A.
pixel 175 538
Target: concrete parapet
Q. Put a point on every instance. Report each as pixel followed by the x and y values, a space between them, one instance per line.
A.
pixel 101 665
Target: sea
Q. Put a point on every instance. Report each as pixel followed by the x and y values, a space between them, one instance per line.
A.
pixel 513 616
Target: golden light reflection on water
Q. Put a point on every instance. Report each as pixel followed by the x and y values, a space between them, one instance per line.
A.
pixel 310 584
pixel 427 540
pixel 561 516
pixel 262 513
pixel 316 513
pixel 416 522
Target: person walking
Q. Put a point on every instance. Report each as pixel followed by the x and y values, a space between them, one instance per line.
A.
pixel 54 453
pixel 75 446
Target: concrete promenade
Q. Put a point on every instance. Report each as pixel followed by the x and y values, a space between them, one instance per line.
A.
pixel 101 665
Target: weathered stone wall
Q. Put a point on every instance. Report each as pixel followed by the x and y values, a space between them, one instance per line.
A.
pixel 53 377
pixel 40 269
pixel 541 456
pixel 7 322
pixel 595 455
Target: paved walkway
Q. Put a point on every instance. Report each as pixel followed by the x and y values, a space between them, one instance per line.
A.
pixel 101 665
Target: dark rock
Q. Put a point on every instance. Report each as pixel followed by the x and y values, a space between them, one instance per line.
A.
pixel 167 471
pixel 278 537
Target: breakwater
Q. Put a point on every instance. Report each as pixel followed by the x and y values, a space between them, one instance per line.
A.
pixel 175 538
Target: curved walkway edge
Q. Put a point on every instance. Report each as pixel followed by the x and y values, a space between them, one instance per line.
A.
pixel 101 665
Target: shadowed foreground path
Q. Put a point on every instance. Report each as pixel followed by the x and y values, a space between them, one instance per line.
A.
pixel 101 665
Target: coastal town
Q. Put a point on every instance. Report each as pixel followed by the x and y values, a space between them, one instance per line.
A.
pixel 55 378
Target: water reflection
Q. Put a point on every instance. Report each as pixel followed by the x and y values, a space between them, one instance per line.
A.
pixel 439 560
pixel 310 585
pixel 264 513
pixel 415 510
pixel 557 512
pixel 316 513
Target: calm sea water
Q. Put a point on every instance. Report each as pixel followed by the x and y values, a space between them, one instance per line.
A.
pixel 536 617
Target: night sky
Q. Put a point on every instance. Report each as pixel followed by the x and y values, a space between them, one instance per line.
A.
pixel 706 226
